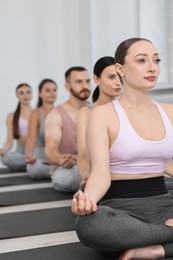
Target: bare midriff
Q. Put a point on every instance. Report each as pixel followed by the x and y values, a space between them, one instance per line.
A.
pixel 116 176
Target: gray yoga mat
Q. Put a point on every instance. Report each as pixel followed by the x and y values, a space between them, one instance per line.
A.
pixel 32 196
pixel 5 170
pixel 20 180
pixel 36 222
pixel 72 251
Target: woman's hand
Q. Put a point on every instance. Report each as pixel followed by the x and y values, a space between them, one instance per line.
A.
pixel 30 160
pixel 82 204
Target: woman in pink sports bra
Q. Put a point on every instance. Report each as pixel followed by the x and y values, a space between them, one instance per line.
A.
pixel 126 210
pixel 17 129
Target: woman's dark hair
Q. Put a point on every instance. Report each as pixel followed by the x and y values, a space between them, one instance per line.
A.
pixel 99 66
pixel 16 115
pixel 40 87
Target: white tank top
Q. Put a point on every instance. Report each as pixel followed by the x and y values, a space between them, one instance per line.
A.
pixel 131 154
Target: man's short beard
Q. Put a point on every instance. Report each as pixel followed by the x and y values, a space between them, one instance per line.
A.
pixel 77 94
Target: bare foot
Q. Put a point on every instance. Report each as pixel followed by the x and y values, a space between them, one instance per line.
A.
pixel 169 222
pixel 150 252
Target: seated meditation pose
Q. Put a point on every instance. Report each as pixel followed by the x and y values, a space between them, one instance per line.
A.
pixel 125 209
pixel 13 151
pixel 60 135
pixel 108 87
pixel 38 166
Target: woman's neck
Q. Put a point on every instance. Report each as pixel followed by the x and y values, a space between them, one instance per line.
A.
pixel 103 100
pixel 135 99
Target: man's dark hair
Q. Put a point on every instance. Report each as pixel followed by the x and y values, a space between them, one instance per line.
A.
pixel 69 71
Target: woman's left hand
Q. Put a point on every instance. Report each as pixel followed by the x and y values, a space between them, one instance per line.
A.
pixel 82 204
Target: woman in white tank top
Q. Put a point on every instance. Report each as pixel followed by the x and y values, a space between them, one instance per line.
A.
pixel 126 209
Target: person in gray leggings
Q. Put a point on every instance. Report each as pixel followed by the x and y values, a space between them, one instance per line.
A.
pixel 13 151
pixel 37 164
pixel 60 131
pixel 123 223
pixel 125 209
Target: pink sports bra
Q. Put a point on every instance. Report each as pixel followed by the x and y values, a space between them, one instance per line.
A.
pixel 131 154
pixel 23 126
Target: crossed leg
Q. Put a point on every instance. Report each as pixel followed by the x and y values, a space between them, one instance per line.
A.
pixel 150 252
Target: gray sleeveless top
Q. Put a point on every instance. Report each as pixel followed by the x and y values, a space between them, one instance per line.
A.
pixel 41 129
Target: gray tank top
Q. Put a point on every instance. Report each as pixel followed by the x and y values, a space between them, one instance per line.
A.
pixel 41 129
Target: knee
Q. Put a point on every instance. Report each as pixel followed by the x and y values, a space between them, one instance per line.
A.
pixel 59 185
pixel 65 180
pixel 85 229
pixel 102 230
pixel 6 158
pixel 92 228
pixel 74 179
pixel 38 170
pixel 32 171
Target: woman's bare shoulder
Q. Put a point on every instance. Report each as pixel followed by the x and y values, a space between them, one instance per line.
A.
pixel 103 114
pixel 168 108
pixel 35 114
pixel 84 112
pixel 103 109
pixel 9 117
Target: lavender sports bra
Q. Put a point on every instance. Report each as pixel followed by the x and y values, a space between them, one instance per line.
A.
pixel 23 126
pixel 131 154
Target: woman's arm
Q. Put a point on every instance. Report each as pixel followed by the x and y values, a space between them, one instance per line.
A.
pixel 10 140
pixel 169 168
pixel 169 111
pixel 83 162
pixel 32 136
pixel 97 137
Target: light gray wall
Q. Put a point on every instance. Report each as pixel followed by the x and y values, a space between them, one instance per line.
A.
pixel 43 38
pixel 40 39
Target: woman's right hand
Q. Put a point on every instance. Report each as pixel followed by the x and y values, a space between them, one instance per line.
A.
pixel 30 160
pixel 82 204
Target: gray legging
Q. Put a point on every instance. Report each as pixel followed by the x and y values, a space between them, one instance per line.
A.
pixel 39 170
pixel 121 224
pixel 67 180
pixel 15 160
